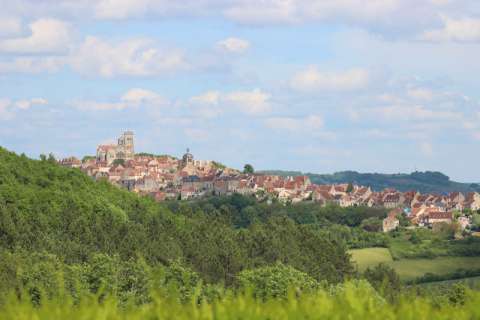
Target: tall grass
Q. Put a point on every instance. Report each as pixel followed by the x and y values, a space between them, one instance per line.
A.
pixel 355 300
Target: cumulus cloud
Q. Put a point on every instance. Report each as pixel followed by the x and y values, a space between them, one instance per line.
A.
pixel 250 102
pixel 134 98
pixel 312 80
pixel 27 104
pixel 135 57
pixel 207 105
pixel 47 36
pixel 387 17
pixel 415 112
pixel 8 108
pixel 308 127
pixel 32 64
pixel 120 9
pixel 208 98
pixel 10 26
pixel 298 11
pixel 233 45
pixel 214 103
pixel 459 30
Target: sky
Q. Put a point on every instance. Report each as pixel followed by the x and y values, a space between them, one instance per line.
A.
pixel 311 85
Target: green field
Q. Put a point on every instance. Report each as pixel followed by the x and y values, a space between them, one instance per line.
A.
pixel 473 283
pixel 409 269
pixel 370 257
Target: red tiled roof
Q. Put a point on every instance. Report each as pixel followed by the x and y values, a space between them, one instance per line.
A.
pixel 440 215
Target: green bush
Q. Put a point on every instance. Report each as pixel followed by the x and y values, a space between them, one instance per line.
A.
pixel 275 281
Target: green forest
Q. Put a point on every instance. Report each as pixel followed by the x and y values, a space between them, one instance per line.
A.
pixel 74 248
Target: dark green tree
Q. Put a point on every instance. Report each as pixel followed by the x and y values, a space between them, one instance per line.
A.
pixel 118 162
pixel 349 188
pixel 385 280
pixel 248 169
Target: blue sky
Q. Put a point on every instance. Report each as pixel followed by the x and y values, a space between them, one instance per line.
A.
pixel 321 86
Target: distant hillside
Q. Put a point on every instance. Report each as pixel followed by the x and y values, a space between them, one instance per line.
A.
pixel 425 182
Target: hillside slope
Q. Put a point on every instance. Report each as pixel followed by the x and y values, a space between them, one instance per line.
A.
pixel 425 182
pixel 46 208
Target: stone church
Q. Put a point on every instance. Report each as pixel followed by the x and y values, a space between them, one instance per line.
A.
pixel 124 149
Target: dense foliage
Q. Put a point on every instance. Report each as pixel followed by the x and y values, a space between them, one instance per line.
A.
pixel 65 215
pixel 424 243
pixel 72 248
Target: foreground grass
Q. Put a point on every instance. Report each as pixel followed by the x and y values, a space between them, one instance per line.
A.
pixel 351 301
pixel 410 269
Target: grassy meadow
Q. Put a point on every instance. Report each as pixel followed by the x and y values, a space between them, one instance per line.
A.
pixel 370 257
pixel 473 283
pixel 409 269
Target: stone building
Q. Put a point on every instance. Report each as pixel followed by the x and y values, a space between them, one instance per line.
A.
pixel 124 149
pixel 187 159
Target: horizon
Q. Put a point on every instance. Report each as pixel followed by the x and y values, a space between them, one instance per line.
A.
pixel 319 87
pixel 261 170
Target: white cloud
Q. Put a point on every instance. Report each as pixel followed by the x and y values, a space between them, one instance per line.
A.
pixel 415 113
pixel 250 102
pixel 213 103
pixel 27 104
pixel 47 36
pixel 233 45
pixel 208 98
pixel 263 12
pixel 387 17
pixel 135 57
pixel 207 105
pixel 298 11
pixel 9 108
pixel 142 96
pixel 312 80
pixel 134 98
pixel 32 64
pixel 120 9
pixel 460 30
pixel 420 94
pixel 9 26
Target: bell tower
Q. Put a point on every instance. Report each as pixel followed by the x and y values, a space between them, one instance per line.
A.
pixel 129 145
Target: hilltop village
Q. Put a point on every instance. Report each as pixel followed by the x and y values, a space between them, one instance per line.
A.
pixel 166 177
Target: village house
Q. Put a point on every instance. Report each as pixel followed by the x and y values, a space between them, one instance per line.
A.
pixel 434 217
pixel 166 177
pixel 391 222
pixel 71 162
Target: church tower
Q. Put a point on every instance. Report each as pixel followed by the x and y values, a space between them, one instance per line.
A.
pixel 125 148
pixel 187 159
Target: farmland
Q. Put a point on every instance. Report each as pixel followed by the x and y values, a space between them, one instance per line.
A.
pixel 409 269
